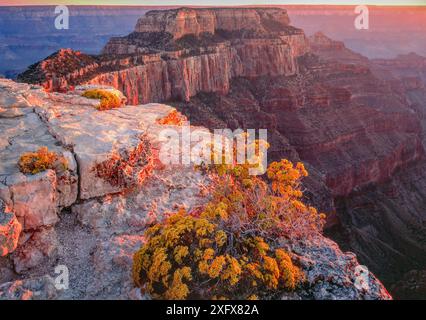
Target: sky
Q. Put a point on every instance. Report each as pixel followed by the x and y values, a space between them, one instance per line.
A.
pixel 208 2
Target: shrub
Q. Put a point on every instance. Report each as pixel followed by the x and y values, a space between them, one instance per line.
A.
pixel 173 118
pixel 272 209
pixel 129 168
pixel 188 257
pixel 41 160
pixel 231 249
pixel 109 100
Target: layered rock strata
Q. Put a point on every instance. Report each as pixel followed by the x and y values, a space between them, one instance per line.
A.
pixel 176 54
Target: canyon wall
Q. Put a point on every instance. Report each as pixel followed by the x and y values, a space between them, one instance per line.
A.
pixel 182 66
pixel 384 222
pixel 184 77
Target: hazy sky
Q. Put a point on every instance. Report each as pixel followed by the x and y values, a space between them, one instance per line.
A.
pixel 209 2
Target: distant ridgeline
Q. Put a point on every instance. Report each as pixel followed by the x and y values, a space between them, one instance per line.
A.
pixel 28 34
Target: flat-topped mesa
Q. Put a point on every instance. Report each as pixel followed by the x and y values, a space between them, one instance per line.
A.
pixel 330 49
pixel 176 54
pixel 185 21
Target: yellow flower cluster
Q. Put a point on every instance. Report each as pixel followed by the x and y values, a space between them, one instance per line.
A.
pixel 285 178
pixel 41 160
pixel 108 99
pixel 164 266
pixel 186 257
pixel 227 250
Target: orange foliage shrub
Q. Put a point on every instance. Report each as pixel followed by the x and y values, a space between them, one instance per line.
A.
pixel 41 160
pixel 129 168
pixel 173 118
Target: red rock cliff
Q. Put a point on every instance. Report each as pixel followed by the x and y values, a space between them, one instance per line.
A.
pixel 175 54
pixel 184 21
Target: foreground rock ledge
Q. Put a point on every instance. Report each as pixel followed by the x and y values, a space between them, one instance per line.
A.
pixel 97 238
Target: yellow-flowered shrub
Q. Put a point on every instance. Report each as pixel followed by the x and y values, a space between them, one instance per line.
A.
pixel 233 247
pixel 246 202
pixel 108 100
pixel 189 257
pixel 41 160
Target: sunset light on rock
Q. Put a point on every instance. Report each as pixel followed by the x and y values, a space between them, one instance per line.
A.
pixel 253 152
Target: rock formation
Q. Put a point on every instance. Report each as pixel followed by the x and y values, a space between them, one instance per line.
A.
pixel 102 225
pixel 159 63
pixel 186 21
pixel 356 123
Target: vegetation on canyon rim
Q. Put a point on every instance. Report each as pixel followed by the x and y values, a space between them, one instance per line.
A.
pixel 230 248
pixel 109 100
pixel 173 118
pixel 41 160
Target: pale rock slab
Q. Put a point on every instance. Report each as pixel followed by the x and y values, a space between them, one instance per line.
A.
pixel 164 192
pixel 115 138
pixel 35 199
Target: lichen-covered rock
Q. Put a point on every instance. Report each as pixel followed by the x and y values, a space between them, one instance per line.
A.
pixel 332 274
pixel 113 260
pixel 41 288
pixel 10 229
